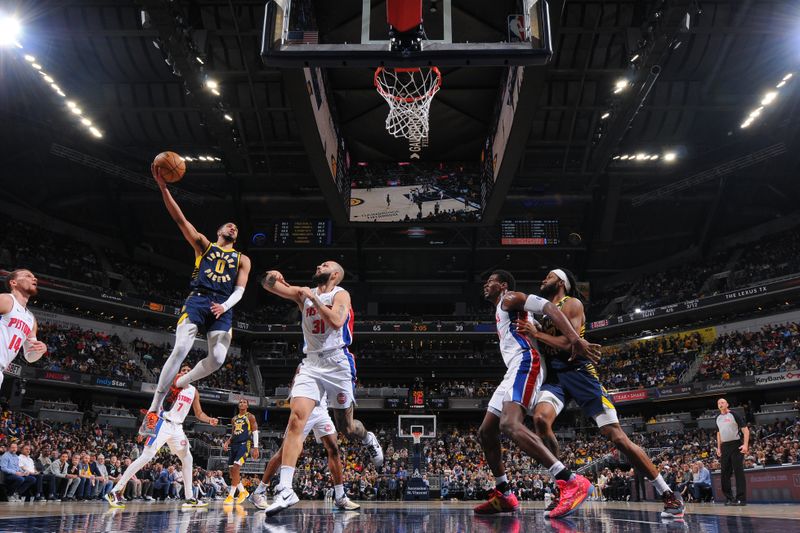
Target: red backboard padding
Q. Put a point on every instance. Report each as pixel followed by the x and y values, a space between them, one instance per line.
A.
pixel 404 15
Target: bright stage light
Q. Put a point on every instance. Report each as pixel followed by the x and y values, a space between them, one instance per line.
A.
pixel 10 29
pixel 670 157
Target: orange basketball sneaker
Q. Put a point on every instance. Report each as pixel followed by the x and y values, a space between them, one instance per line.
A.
pixel 498 503
pixel 573 493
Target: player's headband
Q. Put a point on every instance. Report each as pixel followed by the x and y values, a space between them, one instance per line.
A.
pixel 563 277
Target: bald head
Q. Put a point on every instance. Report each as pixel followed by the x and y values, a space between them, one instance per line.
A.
pixel 328 272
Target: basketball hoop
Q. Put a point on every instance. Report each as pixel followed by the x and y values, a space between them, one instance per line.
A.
pixel 417 435
pixel 409 92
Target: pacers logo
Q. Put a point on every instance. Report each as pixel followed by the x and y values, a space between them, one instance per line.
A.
pixel 356 201
pixel 223 262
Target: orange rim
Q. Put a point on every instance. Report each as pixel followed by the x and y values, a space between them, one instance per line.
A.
pixel 408 99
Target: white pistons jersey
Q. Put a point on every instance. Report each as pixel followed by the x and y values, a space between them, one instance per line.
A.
pixel 318 335
pixel 15 328
pixel 512 344
pixel 181 405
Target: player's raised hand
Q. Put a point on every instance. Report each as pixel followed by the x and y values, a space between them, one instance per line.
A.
pixel 271 277
pixel 254 453
pixel 588 350
pixel 156 172
pixel 526 328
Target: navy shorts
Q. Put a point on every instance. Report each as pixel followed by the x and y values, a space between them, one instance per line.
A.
pixel 239 453
pixel 197 310
pixel 582 385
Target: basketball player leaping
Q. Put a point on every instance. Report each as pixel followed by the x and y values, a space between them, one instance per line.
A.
pixel 243 427
pixel 514 397
pixel 327 322
pixel 218 282
pixel 325 432
pixel 17 324
pixel 569 378
pixel 169 431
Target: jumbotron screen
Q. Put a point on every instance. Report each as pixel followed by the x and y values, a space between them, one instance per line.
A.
pixel 418 191
pixel 529 232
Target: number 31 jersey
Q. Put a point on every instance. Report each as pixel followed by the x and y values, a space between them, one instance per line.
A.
pixel 318 335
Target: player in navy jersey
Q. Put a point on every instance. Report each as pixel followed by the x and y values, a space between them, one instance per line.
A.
pixel 571 378
pixel 218 282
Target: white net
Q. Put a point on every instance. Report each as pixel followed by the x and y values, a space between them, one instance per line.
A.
pixel 409 92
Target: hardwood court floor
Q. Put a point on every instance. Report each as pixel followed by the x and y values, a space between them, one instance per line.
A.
pixel 379 517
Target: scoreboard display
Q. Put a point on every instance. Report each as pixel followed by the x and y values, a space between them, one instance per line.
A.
pixel 302 233
pixel 522 232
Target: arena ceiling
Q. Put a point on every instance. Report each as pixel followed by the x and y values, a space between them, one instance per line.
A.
pixel 710 74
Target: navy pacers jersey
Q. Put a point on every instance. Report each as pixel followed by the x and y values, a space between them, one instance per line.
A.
pixel 240 431
pixel 216 270
pixel 558 359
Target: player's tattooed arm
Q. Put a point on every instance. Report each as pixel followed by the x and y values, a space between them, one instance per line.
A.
pixel 273 282
pixel 337 314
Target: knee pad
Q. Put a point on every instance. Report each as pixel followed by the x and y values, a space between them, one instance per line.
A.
pixel 218 344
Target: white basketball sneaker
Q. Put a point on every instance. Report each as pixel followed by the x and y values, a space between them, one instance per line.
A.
pixel 283 500
pixel 374 449
pixel 345 504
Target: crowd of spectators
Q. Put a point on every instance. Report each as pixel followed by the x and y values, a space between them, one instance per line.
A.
pixel 773 348
pixel 649 363
pixel 774 257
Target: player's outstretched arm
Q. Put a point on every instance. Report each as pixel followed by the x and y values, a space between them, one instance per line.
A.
pixel 198 412
pixel 197 240
pixel 337 313
pixel 273 282
pixel 6 303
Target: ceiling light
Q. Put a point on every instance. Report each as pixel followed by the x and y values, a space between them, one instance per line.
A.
pixel 217 159
pixel 60 93
pixel 624 157
pixel 780 84
pixel 216 92
pixel 211 84
pixel 615 157
pixel 199 60
pixel 86 122
pixel 37 66
pixel 654 157
pixel 9 31
pixel 76 110
pixel 769 97
pixel 620 85
pixel 228 117
pixel 755 112
pixel 634 58
pixel 188 158
pixel 70 103
pixel 637 310
pixel 605 115
pixel 48 79
pixel 55 87
pixel 746 123
pixel 202 158
pixel 95 132
pixel 29 58
pixel 787 77
pixel 670 157
pixel 641 156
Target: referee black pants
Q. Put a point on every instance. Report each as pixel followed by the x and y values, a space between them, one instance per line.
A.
pixel 732 461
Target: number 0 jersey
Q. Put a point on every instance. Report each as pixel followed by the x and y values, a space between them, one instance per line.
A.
pixel 240 431
pixel 181 405
pixel 318 335
pixel 15 327
pixel 216 269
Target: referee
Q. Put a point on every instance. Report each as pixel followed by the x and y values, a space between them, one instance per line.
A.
pixel 730 449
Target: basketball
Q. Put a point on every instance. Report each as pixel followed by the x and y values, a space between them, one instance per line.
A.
pixel 172 166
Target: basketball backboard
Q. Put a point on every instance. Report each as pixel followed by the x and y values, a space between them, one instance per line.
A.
pixel 353 33
pixel 408 424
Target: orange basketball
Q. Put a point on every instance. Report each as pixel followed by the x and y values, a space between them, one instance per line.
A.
pixel 172 166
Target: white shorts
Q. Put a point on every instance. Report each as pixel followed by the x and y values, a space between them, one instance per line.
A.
pixel 319 421
pixel 170 433
pixel 335 373
pixel 521 383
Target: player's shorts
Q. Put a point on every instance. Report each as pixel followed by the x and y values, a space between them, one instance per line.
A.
pixel 319 421
pixel 170 433
pixel 238 453
pixel 333 372
pixel 583 385
pixel 197 310
pixel 522 381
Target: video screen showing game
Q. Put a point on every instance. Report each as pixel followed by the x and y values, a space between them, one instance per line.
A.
pixel 415 192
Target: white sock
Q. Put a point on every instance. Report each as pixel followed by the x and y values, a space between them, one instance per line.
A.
pixel 339 491
pixel 262 488
pixel 500 479
pixel 233 491
pixel 557 467
pixel 660 485
pixel 240 486
pixel 286 475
